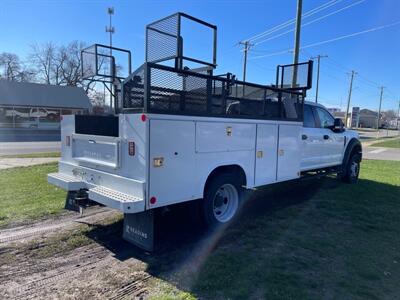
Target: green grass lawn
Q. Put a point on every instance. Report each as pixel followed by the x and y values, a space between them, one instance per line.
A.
pixel 310 240
pixel 342 243
pixel 33 155
pixel 393 143
pixel 26 195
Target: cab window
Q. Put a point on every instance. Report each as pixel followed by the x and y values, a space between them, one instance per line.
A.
pixel 309 120
pixel 325 118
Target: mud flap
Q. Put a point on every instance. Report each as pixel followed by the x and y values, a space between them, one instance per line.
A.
pixel 139 229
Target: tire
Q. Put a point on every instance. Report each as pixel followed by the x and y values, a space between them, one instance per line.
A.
pixel 222 199
pixel 352 169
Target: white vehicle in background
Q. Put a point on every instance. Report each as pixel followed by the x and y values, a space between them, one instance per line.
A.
pixel 185 134
pixel 32 113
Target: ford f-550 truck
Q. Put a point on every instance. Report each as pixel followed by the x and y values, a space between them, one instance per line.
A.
pixel 185 134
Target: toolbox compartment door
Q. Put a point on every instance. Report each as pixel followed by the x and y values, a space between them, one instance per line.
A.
pixel 289 155
pixel 266 154
pixel 172 161
pixel 94 150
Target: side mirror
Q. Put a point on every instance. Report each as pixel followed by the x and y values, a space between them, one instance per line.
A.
pixel 338 125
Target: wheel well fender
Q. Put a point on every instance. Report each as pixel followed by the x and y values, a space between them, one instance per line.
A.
pixel 233 169
pixel 354 146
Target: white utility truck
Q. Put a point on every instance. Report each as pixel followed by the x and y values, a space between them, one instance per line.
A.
pixel 184 134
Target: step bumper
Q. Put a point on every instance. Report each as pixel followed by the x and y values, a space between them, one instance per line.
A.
pixel 65 182
pixel 109 197
pixel 117 200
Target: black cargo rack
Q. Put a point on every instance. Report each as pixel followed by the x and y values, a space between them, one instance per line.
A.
pixel 161 89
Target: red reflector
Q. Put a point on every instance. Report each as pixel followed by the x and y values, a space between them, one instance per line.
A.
pixel 153 200
pixel 131 148
pixel 143 117
pixel 68 140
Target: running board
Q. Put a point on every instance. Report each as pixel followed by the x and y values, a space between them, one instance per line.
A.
pixel 317 174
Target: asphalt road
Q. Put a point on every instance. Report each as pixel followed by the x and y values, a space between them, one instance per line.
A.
pixel 373 134
pixel 381 153
pixel 9 148
pixel 28 135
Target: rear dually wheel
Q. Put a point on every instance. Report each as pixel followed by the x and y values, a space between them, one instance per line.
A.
pixel 222 199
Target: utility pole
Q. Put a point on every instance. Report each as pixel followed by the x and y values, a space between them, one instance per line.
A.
pixel 398 119
pixel 380 106
pixel 318 57
pixel 297 41
pixel 247 46
pixel 110 29
pixel 349 98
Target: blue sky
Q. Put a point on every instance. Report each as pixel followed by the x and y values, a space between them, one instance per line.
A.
pixel 375 55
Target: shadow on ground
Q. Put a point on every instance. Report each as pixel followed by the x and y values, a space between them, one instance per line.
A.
pixel 338 218
pixel 332 222
pixel 179 234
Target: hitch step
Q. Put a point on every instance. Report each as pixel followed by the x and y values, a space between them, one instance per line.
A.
pixel 115 199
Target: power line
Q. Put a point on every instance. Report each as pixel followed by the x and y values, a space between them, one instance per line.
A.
pixel 363 79
pixel 292 21
pixel 313 21
pixel 329 40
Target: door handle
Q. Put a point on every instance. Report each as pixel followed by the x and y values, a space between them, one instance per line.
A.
pixel 304 137
pixel 326 137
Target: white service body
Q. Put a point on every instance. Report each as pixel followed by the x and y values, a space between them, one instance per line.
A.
pixel 174 156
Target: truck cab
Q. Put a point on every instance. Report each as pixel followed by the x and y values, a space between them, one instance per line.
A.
pixel 323 145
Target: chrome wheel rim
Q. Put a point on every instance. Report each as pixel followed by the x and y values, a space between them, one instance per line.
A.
pixel 225 203
pixel 354 169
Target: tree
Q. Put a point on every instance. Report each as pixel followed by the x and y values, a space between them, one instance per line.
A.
pixel 10 64
pixel 69 58
pixel 43 59
pixel 59 65
pixel 12 69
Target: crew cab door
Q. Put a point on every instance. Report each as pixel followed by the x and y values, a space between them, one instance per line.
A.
pixel 332 142
pixel 312 141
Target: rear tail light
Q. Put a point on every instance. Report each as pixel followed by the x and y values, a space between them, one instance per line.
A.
pixel 68 140
pixel 131 148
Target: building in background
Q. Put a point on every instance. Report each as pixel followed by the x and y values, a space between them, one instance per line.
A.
pixel 39 106
pixel 367 118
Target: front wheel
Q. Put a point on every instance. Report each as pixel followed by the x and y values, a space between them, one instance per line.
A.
pixel 221 200
pixel 352 169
